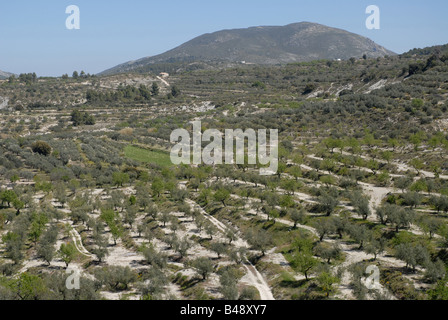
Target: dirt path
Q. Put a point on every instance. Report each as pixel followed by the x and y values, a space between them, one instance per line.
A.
pixel 256 279
pixel 253 276
pixel 376 195
pixel 77 241
pixel 164 81
pixel 352 256
pixel 56 263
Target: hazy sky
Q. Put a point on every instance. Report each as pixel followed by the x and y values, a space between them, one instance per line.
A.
pixel 34 37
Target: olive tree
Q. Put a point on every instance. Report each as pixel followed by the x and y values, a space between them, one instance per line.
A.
pixel 203 266
pixel 304 262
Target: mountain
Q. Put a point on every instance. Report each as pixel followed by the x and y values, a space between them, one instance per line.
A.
pixel 298 42
pixel 5 75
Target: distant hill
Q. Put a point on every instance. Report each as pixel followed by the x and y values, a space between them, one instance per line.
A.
pixel 418 52
pixel 298 42
pixel 5 75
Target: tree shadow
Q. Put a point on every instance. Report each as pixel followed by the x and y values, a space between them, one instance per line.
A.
pixel 94 263
pixel 253 259
pixel 214 211
pixel 190 283
pixel 204 241
pixel 293 284
pixel 54 268
pixel 176 258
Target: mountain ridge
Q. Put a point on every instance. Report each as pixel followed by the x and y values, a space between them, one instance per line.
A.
pixel 266 45
pixel 5 75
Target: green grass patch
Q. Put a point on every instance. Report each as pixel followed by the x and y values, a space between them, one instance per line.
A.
pixel 157 157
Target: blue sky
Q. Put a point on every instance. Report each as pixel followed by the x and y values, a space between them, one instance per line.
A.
pixel 33 36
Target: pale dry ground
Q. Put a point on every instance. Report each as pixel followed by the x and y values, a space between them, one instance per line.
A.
pixel 77 241
pixel 253 276
pixel 163 81
pixel 121 256
pixel 57 263
pixel 380 84
pixel 311 156
pixel 3 102
pixel 352 256
pixel 118 255
pixel 401 167
pixel 303 196
pixel 376 194
pixel 113 82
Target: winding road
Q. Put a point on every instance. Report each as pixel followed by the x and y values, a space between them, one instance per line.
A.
pixel 253 276
pixel 77 241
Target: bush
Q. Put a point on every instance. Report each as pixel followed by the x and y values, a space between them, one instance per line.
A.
pixel 115 277
pixel 310 87
pixel 82 118
pixel 41 147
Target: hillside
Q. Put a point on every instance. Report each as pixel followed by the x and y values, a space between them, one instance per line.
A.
pixel 266 45
pixel 87 184
pixel 4 75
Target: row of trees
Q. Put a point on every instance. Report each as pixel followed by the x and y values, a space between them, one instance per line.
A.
pixel 27 78
pixel 82 118
pixel 124 93
pixel 78 75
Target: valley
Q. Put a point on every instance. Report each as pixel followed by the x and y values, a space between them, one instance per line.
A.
pixel 87 182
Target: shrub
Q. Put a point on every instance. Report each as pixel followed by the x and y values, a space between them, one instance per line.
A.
pixel 41 147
